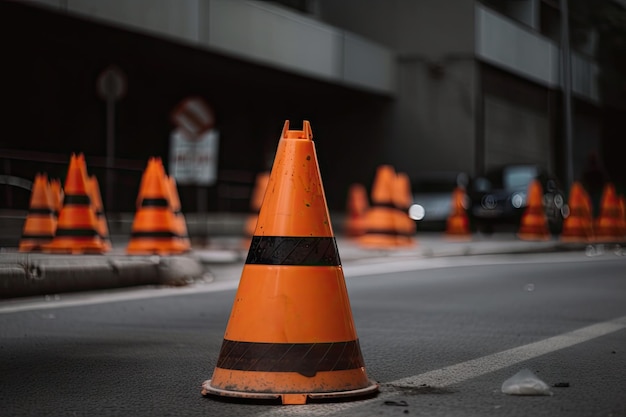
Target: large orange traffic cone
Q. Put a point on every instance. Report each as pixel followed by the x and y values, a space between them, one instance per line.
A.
pixel 77 227
pixel 255 205
pixel 402 198
pixel 40 224
pixel 155 229
pixel 380 223
pixel 534 223
pixel 98 208
pixel 457 223
pixel 608 225
pixel 181 223
pixel 291 334
pixel 577 225
pixel 357 207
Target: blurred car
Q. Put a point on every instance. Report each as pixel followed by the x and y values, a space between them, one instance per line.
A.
pixel 499 198
pixel 432 197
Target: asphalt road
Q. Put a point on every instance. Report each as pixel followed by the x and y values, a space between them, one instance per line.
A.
pixel 439 335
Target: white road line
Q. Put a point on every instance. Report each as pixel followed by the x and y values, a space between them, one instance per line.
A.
pixel 455 374
pixel 129 295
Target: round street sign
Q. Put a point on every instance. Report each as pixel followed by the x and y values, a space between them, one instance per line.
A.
pixel 111 83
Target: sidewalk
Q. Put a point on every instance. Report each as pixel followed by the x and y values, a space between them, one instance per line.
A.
pixel 31 274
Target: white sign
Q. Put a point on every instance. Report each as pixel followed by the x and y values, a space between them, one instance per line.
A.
pixel 194 161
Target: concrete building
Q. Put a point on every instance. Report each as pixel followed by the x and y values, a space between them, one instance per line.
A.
pixel 420 84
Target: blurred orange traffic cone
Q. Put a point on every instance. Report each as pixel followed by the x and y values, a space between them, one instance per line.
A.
pixel 457 224
pixel 380 224
pixel 181 223
pixel 155 230
pixel 534 223
pixel 357 207
pixel 608 225
pixel 56 192
pixel 402 198
pixel 255 205
pixel 98 208
pixel 291 334
pixel 77 227
pixel 577 225
pixel 40 224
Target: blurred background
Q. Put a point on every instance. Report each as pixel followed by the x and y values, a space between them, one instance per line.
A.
pixel 428 86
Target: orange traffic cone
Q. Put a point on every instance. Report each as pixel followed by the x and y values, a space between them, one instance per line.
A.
pixel 457 224
pixel 56 191
pixel 40 224
pixel 77 227
pixel 181 223
pixel 401 197
pixel 255 205
pixel 155 229
pixel 357 207
pixel 380 224
pixel 577 225
pixel 98 208
pixel 291 334
pixel 534 223
pixel 608 225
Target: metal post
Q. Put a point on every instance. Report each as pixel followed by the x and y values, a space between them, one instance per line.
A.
pixel 566 72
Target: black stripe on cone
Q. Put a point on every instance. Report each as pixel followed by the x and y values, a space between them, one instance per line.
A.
pixel 284 250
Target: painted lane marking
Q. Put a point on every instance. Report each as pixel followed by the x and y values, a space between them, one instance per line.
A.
pixel 460 372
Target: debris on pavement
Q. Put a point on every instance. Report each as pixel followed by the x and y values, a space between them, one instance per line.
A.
pixel 525 382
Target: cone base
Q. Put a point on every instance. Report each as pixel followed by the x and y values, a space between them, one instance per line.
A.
pixel 33 245
pixel 290 398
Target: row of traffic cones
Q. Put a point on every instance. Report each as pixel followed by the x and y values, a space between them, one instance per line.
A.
pixel 580 225
pixel 68 219
pixel 71 219
pixel 384 224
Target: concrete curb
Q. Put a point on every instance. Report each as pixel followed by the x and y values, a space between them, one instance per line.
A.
pixel 38 274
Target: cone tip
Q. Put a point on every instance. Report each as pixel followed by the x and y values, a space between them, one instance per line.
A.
pixel 305 133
